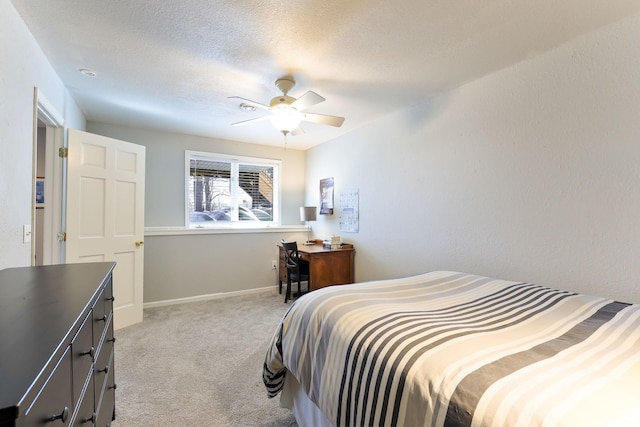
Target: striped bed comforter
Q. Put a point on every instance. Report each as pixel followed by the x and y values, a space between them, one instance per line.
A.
pixel 453 349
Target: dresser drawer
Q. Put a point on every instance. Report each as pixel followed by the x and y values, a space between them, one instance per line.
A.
pixel 107 402
pixel 99 319
pixel 54 405
pixel 86 414
pixel 83 353
pixel 108 297
pixel 103 360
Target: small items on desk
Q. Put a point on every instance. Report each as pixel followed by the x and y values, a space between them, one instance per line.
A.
pixel 333 243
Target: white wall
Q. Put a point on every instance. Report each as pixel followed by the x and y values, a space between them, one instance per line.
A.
pixel 186 266
pixel 531 173
pixel 193 264
pixel 164 198
pixel 23 66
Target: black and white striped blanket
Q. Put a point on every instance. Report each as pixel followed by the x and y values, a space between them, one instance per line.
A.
pixel 453 349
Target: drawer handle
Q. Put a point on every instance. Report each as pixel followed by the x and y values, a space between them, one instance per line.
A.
pixel 105 370
pixel 110 299
pixel 113 340
pixel 91 352
pixel 103 318
pixel 113 387
pixel 92 419
pixel 62 416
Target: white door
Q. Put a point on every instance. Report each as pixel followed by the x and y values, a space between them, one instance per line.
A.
pixel 105 214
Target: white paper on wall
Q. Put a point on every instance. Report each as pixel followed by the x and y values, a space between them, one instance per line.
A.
pixel 349 210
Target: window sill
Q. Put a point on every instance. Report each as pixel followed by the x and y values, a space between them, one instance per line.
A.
pixel 178 230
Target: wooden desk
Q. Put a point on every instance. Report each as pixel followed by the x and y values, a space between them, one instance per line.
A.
pixel 327 267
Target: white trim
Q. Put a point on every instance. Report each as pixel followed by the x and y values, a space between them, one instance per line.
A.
pixel 54 122
pixel 46 111
pixel 208 297
pixel 177 231
pixel 234 161
pixel 207 155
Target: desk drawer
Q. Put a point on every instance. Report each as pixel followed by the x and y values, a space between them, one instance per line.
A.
pixel 304 256
pixel 282 270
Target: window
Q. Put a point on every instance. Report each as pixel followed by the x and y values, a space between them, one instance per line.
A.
pixel 229 190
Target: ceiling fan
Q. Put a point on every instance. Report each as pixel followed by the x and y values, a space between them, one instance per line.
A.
pixel 287 112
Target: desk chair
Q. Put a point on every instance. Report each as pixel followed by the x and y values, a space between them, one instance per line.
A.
pixel 297 269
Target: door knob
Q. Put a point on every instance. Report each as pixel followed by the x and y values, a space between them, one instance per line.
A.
pixel 139 243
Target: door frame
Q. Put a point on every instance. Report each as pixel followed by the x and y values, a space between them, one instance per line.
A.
pixel 54 195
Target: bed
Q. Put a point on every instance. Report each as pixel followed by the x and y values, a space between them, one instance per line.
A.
pixel 453 349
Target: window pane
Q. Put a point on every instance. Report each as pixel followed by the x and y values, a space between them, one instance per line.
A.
pixel 210 191
pixel 255 193
pixel 226 191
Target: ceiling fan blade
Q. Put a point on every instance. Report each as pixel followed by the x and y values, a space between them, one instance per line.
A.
pixel 250 102
pixel 307 100
pixel 244 122
pixel 297 131
pixel 323 119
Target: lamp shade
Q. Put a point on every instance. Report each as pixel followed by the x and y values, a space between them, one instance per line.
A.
pixel 308 213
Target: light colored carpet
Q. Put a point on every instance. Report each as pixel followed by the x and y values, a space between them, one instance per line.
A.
pixel 199 364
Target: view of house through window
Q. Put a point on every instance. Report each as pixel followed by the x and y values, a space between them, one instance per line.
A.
pixel 222 190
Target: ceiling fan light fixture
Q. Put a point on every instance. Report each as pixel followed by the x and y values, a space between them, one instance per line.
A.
pixel 281 102
pixel 285 120
pixel 287 112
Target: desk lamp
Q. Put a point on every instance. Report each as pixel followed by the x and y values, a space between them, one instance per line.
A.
pixel 308 213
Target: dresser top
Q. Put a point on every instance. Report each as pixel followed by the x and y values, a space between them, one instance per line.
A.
pixel 41 308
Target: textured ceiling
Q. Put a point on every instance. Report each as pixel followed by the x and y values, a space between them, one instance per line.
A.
pixel 171 65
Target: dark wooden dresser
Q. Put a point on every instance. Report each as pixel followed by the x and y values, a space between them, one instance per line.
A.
pixel 57 345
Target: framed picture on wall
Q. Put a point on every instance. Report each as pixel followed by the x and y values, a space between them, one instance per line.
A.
pixel 39 192
pixel 326 196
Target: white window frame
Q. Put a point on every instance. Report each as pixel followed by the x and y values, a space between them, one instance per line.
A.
pixel 235 162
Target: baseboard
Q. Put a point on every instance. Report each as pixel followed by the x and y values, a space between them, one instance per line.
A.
pixel 209 297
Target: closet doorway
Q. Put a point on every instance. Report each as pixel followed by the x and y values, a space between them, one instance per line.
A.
pixel 47 189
